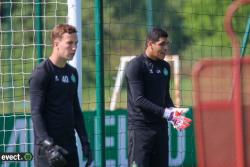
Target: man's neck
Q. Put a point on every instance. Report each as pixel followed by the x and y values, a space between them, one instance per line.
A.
pixel 149 55
pixel 55 59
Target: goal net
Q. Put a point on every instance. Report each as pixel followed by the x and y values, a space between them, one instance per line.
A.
pixel 22 24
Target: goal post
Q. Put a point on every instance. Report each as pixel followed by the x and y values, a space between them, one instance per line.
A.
pixel 173 59
pixel 119 80
pixel 75 19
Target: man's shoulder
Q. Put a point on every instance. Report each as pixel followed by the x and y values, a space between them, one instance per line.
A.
pixel 42 65
pixel 138 58
pixel 40 74
pixel 41 69
pixel 135 66
pixel 135 62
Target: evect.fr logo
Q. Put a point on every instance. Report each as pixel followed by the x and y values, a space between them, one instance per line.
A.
pixel 26 156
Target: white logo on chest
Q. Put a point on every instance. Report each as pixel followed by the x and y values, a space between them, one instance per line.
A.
pixel 158 71
pixel 56 78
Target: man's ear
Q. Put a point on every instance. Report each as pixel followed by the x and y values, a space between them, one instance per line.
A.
pixel 55 43
pixel 150 43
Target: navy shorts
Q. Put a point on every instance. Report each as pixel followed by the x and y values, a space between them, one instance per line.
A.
pixel 148 146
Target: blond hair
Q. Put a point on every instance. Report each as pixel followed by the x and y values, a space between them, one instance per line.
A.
pixel 61 29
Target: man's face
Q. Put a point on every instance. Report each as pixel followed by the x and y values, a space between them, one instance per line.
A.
pixel 66 46
pixel 160 48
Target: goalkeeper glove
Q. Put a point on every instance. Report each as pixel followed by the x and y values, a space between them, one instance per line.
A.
pixel 54 153
pixel 176 117
pixel 87 153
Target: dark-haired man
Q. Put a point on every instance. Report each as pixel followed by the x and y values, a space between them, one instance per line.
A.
pixel 150 104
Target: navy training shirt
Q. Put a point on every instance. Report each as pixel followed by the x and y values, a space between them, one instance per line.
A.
pixel 148 91
pixel 55 108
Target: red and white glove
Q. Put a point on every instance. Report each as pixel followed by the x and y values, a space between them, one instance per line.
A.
pixel 176 117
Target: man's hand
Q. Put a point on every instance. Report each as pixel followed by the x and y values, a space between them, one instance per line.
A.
pixel 176 117
pixel 87 153
pixel 54 153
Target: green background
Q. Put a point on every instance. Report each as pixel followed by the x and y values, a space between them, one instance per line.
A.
pixel 17 130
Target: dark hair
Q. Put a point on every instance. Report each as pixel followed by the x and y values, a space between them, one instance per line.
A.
pixel 155 34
